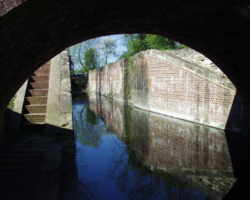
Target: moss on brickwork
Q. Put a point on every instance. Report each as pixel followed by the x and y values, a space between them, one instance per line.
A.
pixel 129 69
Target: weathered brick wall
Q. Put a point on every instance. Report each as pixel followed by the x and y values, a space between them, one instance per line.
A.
pixel 108 81
pixel 164 83
pixel 59 104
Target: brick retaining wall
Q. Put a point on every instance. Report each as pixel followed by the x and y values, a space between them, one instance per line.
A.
pixel 161 82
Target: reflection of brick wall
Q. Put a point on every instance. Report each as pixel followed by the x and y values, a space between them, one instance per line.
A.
pixel 112 113
pixel 166 143
pixel 172 144
pixel 7 5
pixel 160 82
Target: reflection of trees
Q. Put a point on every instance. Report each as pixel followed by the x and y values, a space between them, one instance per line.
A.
pixel 137 131
pixel 132 177
pixel 132 180
pixel 88 127
pixel 91 117
pixel 129 175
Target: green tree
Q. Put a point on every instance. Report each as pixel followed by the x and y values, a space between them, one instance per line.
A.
pixel 109 47
pixel 141 42
pixel 90 59
pixel 159 42
pixel 135 44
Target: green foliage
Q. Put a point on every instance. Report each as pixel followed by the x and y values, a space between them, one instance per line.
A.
pixel 159 42
pixel 141 42
pixel 135 44
pixel 90 60
pixel 109 47
pixel 11 103
pixel 91 117
pixel 79 71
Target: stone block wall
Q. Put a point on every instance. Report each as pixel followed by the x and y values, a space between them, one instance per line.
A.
pixel 162 82
pixel 109 81
pixel 59 104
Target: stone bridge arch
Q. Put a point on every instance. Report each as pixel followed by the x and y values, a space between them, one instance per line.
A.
pixel 36 30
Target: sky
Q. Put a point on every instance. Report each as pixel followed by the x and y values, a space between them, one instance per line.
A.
pixel 98 44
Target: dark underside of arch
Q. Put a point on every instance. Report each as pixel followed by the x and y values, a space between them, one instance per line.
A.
pixel 37 30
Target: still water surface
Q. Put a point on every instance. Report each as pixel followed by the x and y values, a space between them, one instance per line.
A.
pixel 127 153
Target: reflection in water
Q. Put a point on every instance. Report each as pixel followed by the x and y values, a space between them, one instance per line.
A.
pixel 126 153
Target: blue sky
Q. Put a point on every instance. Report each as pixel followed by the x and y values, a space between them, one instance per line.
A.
pixel 98 44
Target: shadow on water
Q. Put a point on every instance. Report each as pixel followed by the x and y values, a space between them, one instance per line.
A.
pixel 38 164
pixel 237 135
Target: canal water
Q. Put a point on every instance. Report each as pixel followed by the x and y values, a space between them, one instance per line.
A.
pixel 127 153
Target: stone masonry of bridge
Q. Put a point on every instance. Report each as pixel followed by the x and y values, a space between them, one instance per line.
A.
pixel 180 83
pixel 7 5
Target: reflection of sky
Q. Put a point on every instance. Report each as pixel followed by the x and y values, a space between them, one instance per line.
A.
pixel 98 44
pixel 106 173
